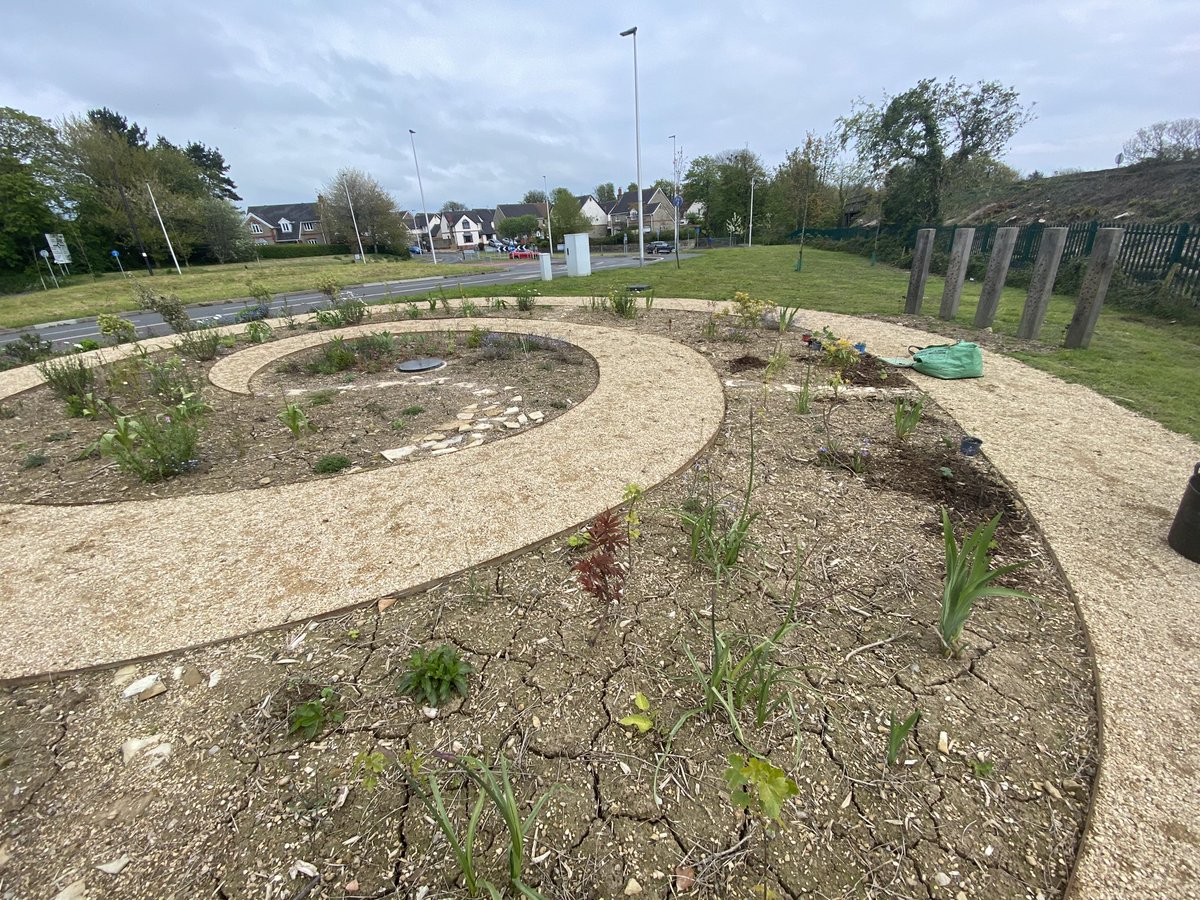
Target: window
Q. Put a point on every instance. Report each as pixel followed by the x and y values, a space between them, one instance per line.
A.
pixel 468 237
pixel 255 228
pixel 308 226
pixel 285 225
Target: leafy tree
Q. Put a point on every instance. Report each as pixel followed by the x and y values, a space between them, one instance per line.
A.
pixel 226 239
pixel 31 181
pixel 379 222
pixel 801 190
pixel 632 187
pixel 722 183
pixel 453 206
pixel 605 193
pixel 666 185
pixel 1174 140
pixel 115 124
pixel 214 171
pixel 534 197
pixel 918 136
pixel 518 226
pixel 566 216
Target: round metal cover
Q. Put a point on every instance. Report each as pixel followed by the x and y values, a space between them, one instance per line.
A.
pixel 420 365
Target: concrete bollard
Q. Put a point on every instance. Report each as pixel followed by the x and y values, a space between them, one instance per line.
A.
pixel 1041 284
pixel 922 254
pixel 1101 265
pixel 956 272
pixel 997 271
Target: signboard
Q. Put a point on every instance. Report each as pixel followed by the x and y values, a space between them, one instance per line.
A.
pixel 678 201
pixel 58 246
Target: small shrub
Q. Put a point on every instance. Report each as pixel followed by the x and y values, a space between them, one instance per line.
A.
pixel 434 677
pixel 374 349
pixel 336 357
pixel 171 308
pixel 68 376
pixel 311 718
pixel 258 331
pixel 153 447
pixel 749 310
pixel 34 460
pixel 296 421
pixel 526 295
pixel 26 349
pixel 334 462
pixel 199 343
pixel 119 330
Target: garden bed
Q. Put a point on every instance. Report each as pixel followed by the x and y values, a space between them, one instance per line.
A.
pixel 986 798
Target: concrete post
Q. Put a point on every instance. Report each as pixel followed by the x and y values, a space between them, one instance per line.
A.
pixel 997 271
pixel 922 254
pixel 1101 265
pixel 956 272
pixel 1041 284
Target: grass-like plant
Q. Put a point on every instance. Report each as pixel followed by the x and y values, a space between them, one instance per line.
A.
pixel 803 400
pixel 296 421
pixel 969 578
pixel 344 308
pixel 622 302
pixel 907 417
pixel 526 295
pixel 312 717
pixel 199 343
pixel 434 677
pixel 333 462
pixel 898 732
pixel 155 447
pixel 322 397
pixel 493 791
pixel 67 376
pixel 336 356
pixel 34 460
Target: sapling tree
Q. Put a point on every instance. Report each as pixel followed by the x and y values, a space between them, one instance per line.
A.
pixel 761 789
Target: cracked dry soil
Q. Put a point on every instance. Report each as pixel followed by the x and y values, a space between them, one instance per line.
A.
pixel 237 808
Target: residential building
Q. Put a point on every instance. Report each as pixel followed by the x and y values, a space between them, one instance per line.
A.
pixel 424 230
pixel 595 213
pixel 512 210
pixel 468 228
pixel 284 223
pixel 656 212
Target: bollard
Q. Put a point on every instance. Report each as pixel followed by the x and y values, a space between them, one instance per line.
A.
pixel 956 272
pixel 922 254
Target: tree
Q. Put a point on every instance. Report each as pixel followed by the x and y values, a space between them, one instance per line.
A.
pixel 114 123
pixel 453 206
pixel 379 222
pixel 534 197
pixel 226 239
pixel 214 171
pixel 518 226
pixel 566 216
pixel 916 137
pixel 666 185
pixel 632 187
pixel 1174 140
pixel 605 193
pixel 31 186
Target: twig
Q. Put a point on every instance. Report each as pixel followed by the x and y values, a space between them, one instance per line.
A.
pixel 857 650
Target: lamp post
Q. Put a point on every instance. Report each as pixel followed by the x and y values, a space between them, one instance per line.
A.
pixel 549 227
pixel 750 241
pixel 154 203
pixel 421 188
pixel 675 196
pixel 637 133
pixel 354 221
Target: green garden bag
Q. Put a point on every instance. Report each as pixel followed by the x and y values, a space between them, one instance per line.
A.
pixel 960 360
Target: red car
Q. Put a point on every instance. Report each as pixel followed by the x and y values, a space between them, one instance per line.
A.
pixel 522 254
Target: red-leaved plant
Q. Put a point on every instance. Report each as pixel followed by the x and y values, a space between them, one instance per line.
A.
pixel 600 573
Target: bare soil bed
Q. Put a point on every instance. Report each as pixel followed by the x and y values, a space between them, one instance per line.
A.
pixel 987 799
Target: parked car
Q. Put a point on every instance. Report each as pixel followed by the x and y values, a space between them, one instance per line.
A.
pixel 522 254
pixel 660 247
pixel 415 249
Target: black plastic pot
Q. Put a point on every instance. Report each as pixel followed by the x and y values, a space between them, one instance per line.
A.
pixel 1184 536
pixel 970 446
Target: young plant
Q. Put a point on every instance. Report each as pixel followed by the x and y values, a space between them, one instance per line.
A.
pixel 600 573
pixel 787 315
pixel 333 462
pixel 294 418
pixel 756 786
pixel 623 303
pixel 468 309
pixel 199 342
pixel 335 357
pixel 898 733
pixel 969 578
pixel 311 718
pixel 633 520
pixel 525 294
pixel 257 331
pixel 169 307
pixel 803 400
pixel 369 767
pixel 749 310
pixel 154 447
pixel 434 677
pixel 643 719
pixel 68 376
pixel 907 417
pixel 118 330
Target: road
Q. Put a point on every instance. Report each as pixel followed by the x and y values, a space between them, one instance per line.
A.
pixel 70 331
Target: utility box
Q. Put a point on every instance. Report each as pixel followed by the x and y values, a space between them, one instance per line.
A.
pixel 547 275
pixel 579 254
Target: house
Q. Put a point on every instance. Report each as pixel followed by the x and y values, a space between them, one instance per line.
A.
pixel 656 212
pixel 595 213
pixel 468 228
pixel 284 223
pixel 423 230
pixel 512 210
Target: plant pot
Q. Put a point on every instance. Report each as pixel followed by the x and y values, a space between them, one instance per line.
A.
pixel 1184 536
pixel 970 446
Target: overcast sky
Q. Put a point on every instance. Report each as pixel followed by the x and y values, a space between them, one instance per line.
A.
pixel 502 93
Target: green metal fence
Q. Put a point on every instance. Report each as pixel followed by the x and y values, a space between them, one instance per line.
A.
pixel 1164 254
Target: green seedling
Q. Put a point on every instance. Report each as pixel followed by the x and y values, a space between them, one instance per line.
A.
pixel 369 767
pixel 434 677
pixel 311 718
pixel 642 720
pixel 898 733
pixel 296 421
pixel 907 417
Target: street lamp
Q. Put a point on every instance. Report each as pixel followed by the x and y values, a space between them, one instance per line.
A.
pixel 637 133
pixel 549 227
pixel 750 243
pixel 421 187
pixel 675 196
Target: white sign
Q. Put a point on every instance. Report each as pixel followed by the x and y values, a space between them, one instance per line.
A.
pixel 58 246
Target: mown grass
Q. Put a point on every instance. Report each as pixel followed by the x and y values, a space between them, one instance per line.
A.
pixel 113 294
pixel 1149 365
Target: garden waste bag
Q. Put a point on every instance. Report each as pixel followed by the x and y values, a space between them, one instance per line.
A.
pixel 959 360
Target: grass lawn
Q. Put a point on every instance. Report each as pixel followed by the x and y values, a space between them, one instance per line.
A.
pixel 112 293
pixel 1146 364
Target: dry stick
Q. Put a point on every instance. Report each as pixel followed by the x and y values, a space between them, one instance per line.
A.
pixel 858 650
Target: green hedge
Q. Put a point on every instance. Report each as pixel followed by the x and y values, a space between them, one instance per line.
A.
pixel 295 251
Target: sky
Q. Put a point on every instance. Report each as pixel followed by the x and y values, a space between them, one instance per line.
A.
pixel 503 94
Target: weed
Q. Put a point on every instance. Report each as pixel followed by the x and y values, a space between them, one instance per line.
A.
pixel 434 677
pixel 169 307
pixel 26 349
pixel 497 303
pixel 86 345
pixel 87 406
pixel 54 436
pixel 199 343
pixel 335 357
pixel 748 310
pixel 622 302
pixel 258 331
pixel 119 330
pixel 369 767
pixel 413 311
pixel 946 472
pixel 468 309
pixel 344 309
pixel 898 733
pixel 412 410
pixel 334 462
pixel 154 447
pixel 633 520
pixel 708 330
pixel 982 768
pixel 969 578
pixel 34 460
pixel 7 412
pixel 757 786
pixel 526 295
pixel 311 718
pixel 322 397
pixel 296 421
pixel 67 376
pixel 475 337
pixel 907 417
pixel 642 720
pixel 803 400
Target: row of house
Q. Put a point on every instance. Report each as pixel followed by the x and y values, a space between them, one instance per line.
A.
pixel 301 222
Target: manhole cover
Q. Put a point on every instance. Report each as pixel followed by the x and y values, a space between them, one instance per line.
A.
pixel 420 365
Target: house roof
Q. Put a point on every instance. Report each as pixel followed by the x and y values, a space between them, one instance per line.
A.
pixel 510 210
pixel 293 212
pixel 626 201
pixel 485 218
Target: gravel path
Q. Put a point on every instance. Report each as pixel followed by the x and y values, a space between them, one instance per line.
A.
pixel 91 585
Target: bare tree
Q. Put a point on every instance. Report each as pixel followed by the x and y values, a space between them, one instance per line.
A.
pixel 379 222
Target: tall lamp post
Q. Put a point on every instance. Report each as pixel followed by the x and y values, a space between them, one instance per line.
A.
pixel 549 227
pixel 421 187
pixel 675 196
pixel 637 133
pixel 750 243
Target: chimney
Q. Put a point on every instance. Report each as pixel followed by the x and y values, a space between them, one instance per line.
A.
pixel 619 192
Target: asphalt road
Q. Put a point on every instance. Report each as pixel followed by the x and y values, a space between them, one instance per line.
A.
pixel 70 331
